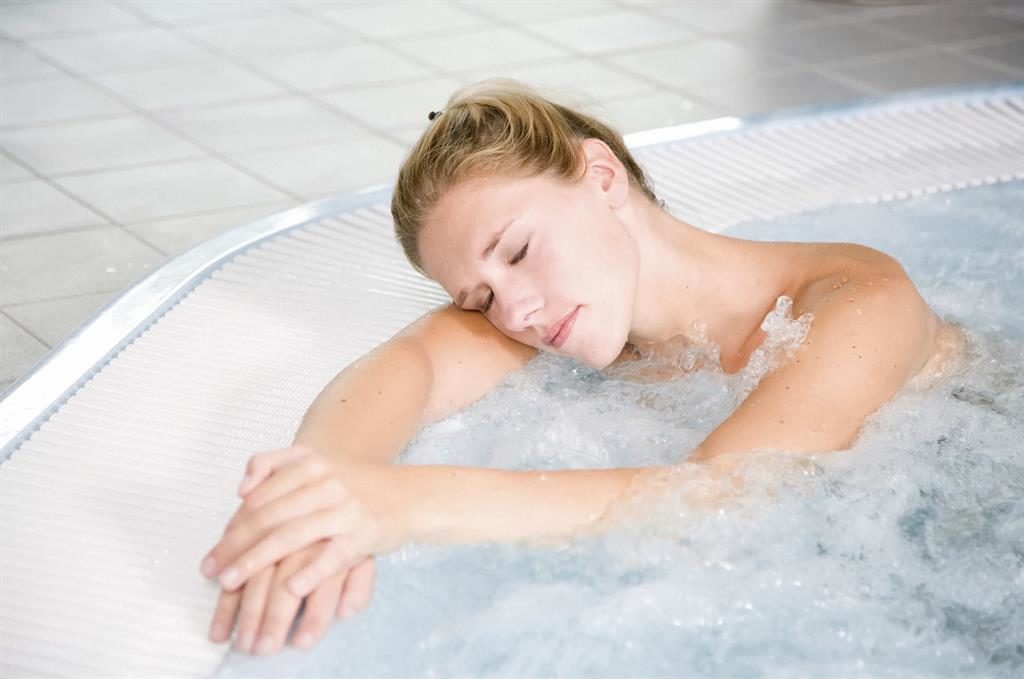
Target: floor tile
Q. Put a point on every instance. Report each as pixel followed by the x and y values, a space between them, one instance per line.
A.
pixel 932 69
pixel 19 351
pixel 93 145
pixel 394 105
pixel 43 101
pixel 650 110
pixel 572 79
pixel 11 171
pixel 319 171
pixel 532 11
pixel 192 12
pixel 176 235
pixel 169 190
pixel 354 64
pixel 17 64
pixel 35 207
pixel 179 87
pixel 611 31
pixel 257 125
pixel 844 42
pixel 774 92
pixel 278 33
pixel 122 51
pixel 38 19
pixel 88 262
pixel 699 61
pixel 480 49
pixel 405 18
pixel 54 320
pixel 953 21
pixel 740 16
pixel 1008 54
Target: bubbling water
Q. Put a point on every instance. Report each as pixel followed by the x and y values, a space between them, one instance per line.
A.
pixel 901 557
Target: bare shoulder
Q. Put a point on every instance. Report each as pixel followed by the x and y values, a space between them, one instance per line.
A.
pixel 468 355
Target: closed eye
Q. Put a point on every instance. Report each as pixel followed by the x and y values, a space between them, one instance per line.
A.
pixel 515 260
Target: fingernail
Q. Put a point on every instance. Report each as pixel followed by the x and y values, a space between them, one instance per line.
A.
pixel 265 646
pixel 209 566
pixel 305 640
pixel 244 641
pixel 229 577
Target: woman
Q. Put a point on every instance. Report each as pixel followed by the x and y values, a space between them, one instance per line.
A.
pixel 538 218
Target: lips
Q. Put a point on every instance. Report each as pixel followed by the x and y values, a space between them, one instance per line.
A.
pixel 557 327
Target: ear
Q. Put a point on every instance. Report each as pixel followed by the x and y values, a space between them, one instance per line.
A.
pixel 606 171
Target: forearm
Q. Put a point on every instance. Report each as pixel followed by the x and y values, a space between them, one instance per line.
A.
pixel 373 408
pixel 449 504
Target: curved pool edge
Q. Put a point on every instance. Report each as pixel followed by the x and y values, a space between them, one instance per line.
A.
pixel 64 369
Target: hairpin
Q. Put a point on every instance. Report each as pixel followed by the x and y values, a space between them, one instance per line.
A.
pixel 434 114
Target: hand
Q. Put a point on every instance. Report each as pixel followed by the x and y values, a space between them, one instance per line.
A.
pixel 296 497
pixel 268 607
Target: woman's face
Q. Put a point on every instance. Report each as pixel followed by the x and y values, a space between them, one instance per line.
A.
pixel 564 250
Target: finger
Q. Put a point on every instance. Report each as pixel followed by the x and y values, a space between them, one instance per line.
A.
pixel 336 556
pixel 256 526
pixel 224 616
pixel 282 606
pixel 358 588
pixel 250 613
pixel 262 465
pixel 288 537
pixel 319 611
pixel 285 480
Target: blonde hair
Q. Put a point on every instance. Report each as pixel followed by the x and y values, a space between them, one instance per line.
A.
pixel 497 127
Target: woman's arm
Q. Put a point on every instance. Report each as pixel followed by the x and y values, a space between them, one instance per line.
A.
pixel 862 346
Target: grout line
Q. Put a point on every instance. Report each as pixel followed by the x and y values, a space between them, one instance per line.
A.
pixel 34 336
pixel 68 174
pixel 56 232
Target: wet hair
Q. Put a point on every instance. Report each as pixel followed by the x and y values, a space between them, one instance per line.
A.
pixel 498 127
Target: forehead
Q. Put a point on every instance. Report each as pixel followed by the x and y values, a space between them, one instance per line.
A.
pixel 455 232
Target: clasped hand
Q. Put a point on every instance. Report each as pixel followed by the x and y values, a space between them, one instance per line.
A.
pixel 298 496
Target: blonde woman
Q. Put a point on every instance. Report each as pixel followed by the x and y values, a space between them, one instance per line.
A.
pixel 546 233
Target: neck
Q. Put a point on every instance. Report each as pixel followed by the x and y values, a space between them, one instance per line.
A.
pixel 699 285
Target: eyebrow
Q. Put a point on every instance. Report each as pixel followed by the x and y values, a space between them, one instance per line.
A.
pixel 487 251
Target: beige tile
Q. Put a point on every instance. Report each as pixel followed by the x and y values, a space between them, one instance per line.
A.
pixel 34 207
pixel 639 112
pixel 191 12
pixel 19 351
pixel 354 64
pixel 144 193
pixel 394 105
pixel 37 19
pixel 176 235
pixel 180 87
pixel 770 93
pixel 932 69
pixel 122 51
pixel 480 49
pixel 279 33
pixel 97 144
pixel 611 31
pixel 54 320
pixel 575 79
pixel 44 101
pixel 258 125
pixel 17 64
pixel 11 171
pixel 405 18
pixel 319 171
pixel 77 263
pixel 700 61
pixel 531 11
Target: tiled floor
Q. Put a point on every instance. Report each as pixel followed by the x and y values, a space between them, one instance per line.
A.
pixel 132 129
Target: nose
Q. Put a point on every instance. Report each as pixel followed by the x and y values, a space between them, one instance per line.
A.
pixel 517 312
